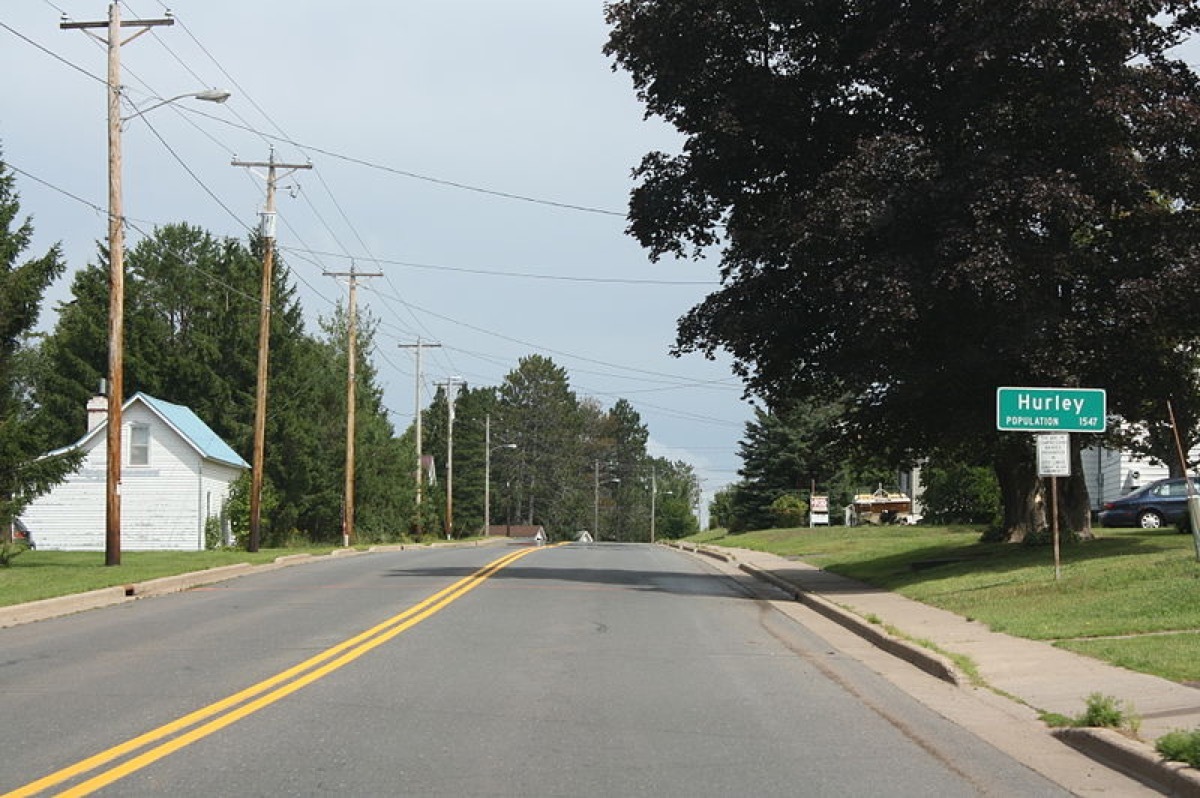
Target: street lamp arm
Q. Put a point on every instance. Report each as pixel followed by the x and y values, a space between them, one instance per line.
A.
pixel 208 96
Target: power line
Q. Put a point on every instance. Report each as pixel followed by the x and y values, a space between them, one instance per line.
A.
pixel 523 275
pixel 417 176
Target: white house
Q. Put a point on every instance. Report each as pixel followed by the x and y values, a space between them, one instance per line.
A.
pixel 175 474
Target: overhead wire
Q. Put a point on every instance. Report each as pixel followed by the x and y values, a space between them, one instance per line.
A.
pixel 300 255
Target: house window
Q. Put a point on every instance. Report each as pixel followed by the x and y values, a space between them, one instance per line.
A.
pixel 139 444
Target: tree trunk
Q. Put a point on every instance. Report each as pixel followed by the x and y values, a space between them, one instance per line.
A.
pixel 1074 510
pixel 1026 496
pixel 1020 491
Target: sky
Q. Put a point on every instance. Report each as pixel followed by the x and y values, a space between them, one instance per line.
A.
pixel 478 154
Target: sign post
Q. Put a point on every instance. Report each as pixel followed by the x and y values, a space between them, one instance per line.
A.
pixel 818 510
pixel 1054 461
pixel 1060 411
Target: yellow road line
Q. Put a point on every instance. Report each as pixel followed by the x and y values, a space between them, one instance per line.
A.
pixel 291 680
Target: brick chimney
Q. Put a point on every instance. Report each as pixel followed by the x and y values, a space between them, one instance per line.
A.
pixel 97 411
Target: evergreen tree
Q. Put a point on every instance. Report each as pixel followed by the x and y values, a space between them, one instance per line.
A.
pixel 24 473
pixel 541 414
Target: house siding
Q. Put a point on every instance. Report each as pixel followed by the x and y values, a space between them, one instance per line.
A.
pixel 164 503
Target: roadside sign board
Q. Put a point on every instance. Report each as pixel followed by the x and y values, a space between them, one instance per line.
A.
pixel 1051 409
pixel 818 510
pixel 1054 454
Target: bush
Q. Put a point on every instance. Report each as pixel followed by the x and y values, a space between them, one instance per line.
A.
pixel 1180 746
pixel 789 510
pixel 1106 712
pixel 960 494
pixel 10 551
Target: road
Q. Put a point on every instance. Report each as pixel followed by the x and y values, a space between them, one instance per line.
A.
pixel 603 670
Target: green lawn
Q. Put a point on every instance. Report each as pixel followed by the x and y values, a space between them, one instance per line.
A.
pixel 1136 584
pixel 45 574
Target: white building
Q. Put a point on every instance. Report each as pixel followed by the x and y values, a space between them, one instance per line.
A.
pixel 175 474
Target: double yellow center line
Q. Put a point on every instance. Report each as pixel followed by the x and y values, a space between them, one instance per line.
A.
pixel 199 724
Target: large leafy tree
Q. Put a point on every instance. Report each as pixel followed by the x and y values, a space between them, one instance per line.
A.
pixel 24 473
pixel 922 201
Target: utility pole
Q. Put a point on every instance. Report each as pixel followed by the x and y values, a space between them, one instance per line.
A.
pixel 417 412
pixel 450 385
pixel 487 472
pixel 267 230
pixel 351 380
pixel 653 496
pixel 116 266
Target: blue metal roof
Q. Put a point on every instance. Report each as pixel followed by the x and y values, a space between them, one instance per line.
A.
pixel 195 431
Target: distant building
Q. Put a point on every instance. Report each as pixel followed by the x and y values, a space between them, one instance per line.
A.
pixel 176 473
pixel 515 530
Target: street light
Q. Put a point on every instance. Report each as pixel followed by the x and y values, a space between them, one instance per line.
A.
pixel 208 96
pixel 116 312
pixel 596 501
pixel 487 473
pixel 653 500
pixel 487 486
pixel 116 252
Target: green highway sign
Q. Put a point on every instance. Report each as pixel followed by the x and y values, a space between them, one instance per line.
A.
pixel 1051 409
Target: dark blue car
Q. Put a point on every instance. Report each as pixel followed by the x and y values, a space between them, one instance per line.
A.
pixel 1156 505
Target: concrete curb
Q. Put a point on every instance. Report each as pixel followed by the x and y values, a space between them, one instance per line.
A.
pixel 936 665
pixel 931 662
pixel 1107 746
pixel 31 611
pixel 18 614
pixel 1135 758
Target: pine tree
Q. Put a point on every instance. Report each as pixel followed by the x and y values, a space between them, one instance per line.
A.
pixel 24 473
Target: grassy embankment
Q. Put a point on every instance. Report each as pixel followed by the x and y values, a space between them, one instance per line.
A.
pixel 1131 597
pixel 37 575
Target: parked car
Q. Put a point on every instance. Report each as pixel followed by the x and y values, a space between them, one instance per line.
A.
pixel 22 535
pixel 1153 506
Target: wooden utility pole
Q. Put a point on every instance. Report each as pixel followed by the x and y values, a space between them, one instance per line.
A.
pixel 351 381
pixel 116 267
pixel 450 385
pixel 417 413
pixel 267 230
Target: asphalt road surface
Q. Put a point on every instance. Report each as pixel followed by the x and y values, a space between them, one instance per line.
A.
pixel 510 670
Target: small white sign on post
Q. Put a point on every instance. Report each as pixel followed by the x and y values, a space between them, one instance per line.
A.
pixel 1054 461
pixel 818 511
pixel 1054 454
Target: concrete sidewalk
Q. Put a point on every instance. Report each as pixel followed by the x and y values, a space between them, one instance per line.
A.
pixel 1046 678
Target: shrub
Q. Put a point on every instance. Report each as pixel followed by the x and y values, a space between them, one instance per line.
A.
pixel 955 493
pixel 789 510
pixel 1107 713
pixel 1180 746
pixel 10 551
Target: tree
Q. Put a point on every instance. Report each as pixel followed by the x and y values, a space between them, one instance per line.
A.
pixel 921 202
pixel 720 509
pixel 383 493
pixel 959 493
pixel 541 414
pixel 677 492
pixel 24 473
pixel 191 315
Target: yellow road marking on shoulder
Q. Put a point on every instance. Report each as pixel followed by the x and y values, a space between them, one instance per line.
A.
pixel 240 705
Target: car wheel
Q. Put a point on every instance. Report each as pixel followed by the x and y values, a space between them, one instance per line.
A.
pixel 1150 519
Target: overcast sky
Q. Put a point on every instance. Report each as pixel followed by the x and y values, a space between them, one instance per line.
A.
pixel 417 117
